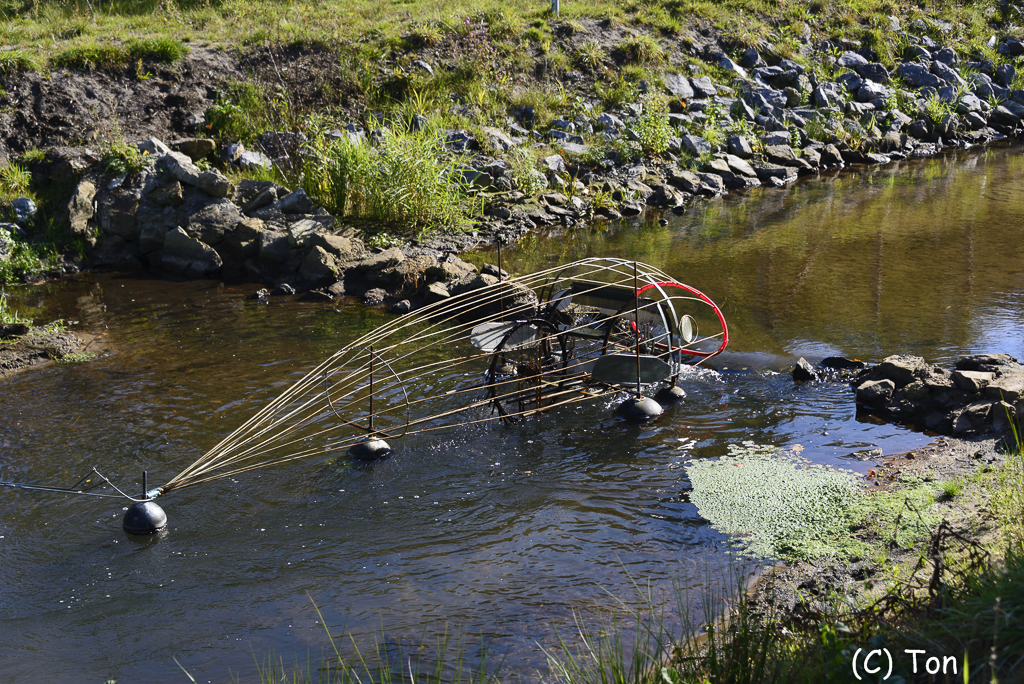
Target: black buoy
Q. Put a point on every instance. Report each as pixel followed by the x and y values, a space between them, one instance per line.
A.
pixel 670 395
pixel 144 517
pixel 640 408
pixel 370 449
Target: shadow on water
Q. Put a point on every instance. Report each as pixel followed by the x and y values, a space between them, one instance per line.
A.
pixel 499 530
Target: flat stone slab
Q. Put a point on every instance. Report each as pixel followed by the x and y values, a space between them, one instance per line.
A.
pixel 972 381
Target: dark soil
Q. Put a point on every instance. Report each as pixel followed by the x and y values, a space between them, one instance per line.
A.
pixel 68 108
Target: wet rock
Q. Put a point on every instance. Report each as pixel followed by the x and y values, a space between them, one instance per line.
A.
pixel 804 371
pixel 116 212
pixel 375 296
pixel 831 156
pixel 664 195
pixel 13 330
pixel 317 296
pixel 151 238
pixel 972 381
pixel 775 174
pixel 188 256
pixel 875 391
pixel 273 247
pixel 782 155
pixel 319 268
pixel 243 240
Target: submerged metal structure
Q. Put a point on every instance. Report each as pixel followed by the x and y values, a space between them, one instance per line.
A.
pixel 507 351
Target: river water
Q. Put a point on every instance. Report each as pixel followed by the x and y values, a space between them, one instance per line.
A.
pixel 500 533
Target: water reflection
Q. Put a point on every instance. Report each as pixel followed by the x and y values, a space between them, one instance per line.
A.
pixel 864 263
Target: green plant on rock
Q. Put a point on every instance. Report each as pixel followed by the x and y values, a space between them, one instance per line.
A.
pixel 404 180
pixel 24 260
pixel 522 164
pixel 119 156
pixel 653 127
pixel 936 109
pixel 14 181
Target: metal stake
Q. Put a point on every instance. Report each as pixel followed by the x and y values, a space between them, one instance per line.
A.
pixel 636 327
pixel 501 287
pixel 371 389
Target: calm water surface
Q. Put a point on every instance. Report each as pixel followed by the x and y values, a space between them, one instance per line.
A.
pixel 500 532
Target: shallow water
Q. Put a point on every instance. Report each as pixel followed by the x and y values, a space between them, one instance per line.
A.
pixel 500 532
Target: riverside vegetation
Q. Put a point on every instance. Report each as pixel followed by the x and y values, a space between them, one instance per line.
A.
pixel 460 126
pixel 354 149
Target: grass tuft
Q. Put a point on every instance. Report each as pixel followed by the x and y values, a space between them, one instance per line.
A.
pixel 14 61
pixel 93 55
pixel 404 180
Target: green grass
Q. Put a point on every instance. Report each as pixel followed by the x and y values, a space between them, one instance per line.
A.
pixel 13 61
pixel 95 55
pixel 15 180
pixel 405 181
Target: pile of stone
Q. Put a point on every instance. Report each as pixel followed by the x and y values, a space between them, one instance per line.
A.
pixel 175 219
pixel 983 394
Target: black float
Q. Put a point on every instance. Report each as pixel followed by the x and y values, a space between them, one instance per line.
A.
pixel 145 517
pixel 369 450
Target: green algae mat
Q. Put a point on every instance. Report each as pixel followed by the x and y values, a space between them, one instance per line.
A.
pixel 774 501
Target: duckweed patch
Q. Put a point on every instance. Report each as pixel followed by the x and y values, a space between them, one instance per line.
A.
pixel 775 500
pixel 778 505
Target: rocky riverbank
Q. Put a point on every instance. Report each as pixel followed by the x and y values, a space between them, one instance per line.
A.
pixel 763 120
